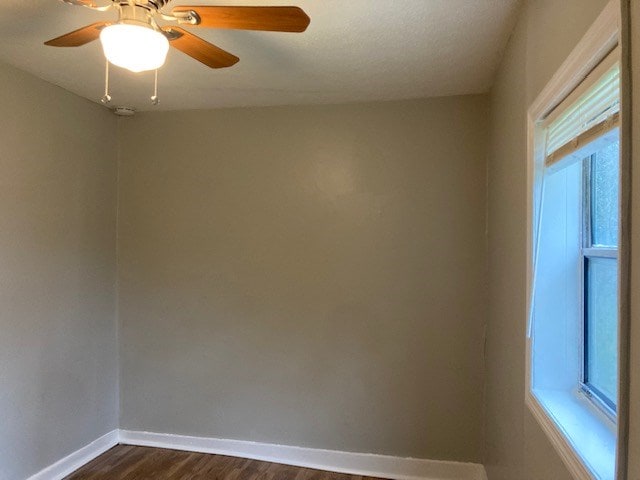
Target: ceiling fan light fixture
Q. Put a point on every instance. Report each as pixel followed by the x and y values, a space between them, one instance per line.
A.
pixel 134 47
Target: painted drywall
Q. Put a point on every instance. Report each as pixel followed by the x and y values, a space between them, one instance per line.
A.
pixel 309 276
pixel 58 346
pixel 545 34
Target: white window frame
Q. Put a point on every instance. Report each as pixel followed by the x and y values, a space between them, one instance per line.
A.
pixel 589 251
pixel 600 39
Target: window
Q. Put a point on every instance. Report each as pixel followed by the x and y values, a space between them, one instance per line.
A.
pixel 600 267
pixel 572 345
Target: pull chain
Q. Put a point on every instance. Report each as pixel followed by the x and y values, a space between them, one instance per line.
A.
pixel 107 98
pixel 154 97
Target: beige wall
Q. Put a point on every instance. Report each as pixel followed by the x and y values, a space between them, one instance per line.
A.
pixel 515 447
pixel 310 276
pixel 58 347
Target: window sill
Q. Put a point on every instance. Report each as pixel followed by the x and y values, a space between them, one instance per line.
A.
pixel 584 437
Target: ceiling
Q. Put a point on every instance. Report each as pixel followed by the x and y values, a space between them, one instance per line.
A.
pixel 354 50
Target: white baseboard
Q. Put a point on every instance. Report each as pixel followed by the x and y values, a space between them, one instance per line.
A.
pixel 382 466
pixel 77 459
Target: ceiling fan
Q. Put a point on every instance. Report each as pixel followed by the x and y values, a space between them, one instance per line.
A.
pixel 138 43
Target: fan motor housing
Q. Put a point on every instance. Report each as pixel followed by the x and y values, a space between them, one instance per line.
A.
pixel 158 4
pixel 149 4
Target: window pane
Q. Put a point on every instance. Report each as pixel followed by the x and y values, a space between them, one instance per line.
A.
pixel 602 326
pixel 604 196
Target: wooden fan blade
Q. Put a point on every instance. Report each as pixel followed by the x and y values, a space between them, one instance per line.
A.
pixel 78 37
pixel 199 49
pixel 80 3
pixel 273 19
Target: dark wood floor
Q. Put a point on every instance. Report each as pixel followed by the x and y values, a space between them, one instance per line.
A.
pixel 125 462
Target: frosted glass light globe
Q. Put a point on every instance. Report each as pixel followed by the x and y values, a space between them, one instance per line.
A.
pixel 134 47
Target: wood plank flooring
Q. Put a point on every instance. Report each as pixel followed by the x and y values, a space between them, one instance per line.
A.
pixel 126 462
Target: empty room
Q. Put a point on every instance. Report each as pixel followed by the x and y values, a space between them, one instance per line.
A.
pixel 320 240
